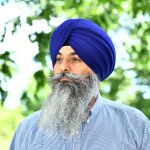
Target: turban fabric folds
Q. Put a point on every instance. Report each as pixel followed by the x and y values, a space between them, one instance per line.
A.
pixel 89 41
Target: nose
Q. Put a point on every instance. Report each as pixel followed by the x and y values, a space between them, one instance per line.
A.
pixel 65 67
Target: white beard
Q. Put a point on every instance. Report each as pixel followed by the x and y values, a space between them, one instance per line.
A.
pixel 65 107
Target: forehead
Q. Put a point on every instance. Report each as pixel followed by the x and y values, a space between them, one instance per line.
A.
pixel 66 50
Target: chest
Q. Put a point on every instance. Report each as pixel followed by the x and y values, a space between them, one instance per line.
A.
pixel 94 135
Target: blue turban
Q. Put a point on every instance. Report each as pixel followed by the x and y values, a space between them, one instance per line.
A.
pixel 89 41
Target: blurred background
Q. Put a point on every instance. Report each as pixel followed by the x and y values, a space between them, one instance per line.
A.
pixel 25 30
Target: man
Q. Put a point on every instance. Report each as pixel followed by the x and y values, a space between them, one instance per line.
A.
pixel 75 116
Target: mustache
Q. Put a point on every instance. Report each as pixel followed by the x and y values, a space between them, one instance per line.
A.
pixel 72 77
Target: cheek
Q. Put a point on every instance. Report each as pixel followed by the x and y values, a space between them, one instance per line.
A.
pixel 55 69
pixel 82 69
pixel 88 71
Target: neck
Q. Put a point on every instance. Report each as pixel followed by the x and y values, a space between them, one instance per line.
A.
pixel 86 113
pixel 92 103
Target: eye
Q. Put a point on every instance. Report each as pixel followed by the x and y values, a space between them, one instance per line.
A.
pixel 74 59
pixel 58 59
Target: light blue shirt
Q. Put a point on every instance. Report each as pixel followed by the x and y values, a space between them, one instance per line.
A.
pixel 110 126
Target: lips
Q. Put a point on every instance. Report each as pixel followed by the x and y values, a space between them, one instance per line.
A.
pixel 65 79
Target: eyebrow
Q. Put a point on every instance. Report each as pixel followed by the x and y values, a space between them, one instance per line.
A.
pixel 72 54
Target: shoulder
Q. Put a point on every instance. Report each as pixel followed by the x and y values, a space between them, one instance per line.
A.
pixel 133 119
pixel 31 119
pixel 129 121
pixel 26 129
pixel 125 111
pixel 129 114
pixel 28 123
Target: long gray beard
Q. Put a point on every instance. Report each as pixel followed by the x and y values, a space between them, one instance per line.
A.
pixel 64 110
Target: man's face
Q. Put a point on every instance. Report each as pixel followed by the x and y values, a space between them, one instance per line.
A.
pixel 68 61
pixel 74 85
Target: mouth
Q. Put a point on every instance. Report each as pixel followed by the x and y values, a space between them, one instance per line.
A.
pixel 66 80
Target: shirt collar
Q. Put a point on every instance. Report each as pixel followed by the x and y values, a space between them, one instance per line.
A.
pixel 96 106
pixel 94 109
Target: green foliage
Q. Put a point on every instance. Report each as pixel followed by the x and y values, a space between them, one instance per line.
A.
pixel 129 84
pixel 132 16
pixel 7 67
pixel 9 120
